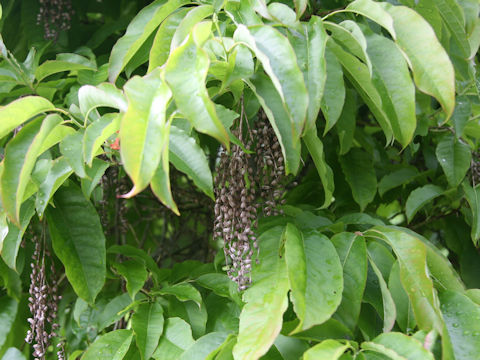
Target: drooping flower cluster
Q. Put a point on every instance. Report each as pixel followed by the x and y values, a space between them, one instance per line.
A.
pixel 55 15
pixel 43 303
pixel 247 183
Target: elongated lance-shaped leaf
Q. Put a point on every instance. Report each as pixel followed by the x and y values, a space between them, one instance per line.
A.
pixel 432 70
pixel 59 133
pixel 280 121
pixel 21 110
pixel 94 176
pixel 359 76
pixel 280 63
pixel 160 49
pixel 327 349
pixel 188 157
pixel 266 300
pixel 454 156
pixel 452 15
pixel 20 156
pixel 315 148
pixel 64 62
pixel 334 93
pixel 143 127
pixel 412 257
pixel 104 95
pixel 309 47
pixel 147 324
pixel 419 197
pixel 374 11
pixel 8 311
pixel 78 241
pixel 97 133
pixel 185 72
pixel 138 31
pixel 194 16
pixel 473 198
pixel 392 79
pixel 398 346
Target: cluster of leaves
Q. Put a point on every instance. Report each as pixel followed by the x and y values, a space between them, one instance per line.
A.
pixel 376 108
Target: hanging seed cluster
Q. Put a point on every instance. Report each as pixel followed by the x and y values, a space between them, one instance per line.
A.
pixel 43 304
pixel 55 15
pixel 475 168
pixel 247 184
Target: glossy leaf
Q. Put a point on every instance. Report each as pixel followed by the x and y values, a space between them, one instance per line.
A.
pixel 111 311
pixel 64 62
pixel 20 156
pixel 138 31
pixel 71 149
pixel 328 349
pixel 21 110
pixel 334 94
pixel 193 17
pixel 396 178
pixel 346 122
pixel 161 183
pixel 78 241
pixel 398 346
pixel 188 157
pixel 113 345
pixel 103 95
pixel 405 318
pixel 204 346
pixel 176 338
pixel 183 292
pixel 94 176
pixel 143 127
pixel 432 70
pixel 473 198
pixel 363 187
pixel 454 156
pixel 279 62
pixel 352 252
pixel 265 301
pixel 280 121
pixel 188 88
pixel 392 79
pixel 97 133
pixel 13 354
pixel 419 197
pixel 58 133
pixel 374 11
pixel 315 147
pixel 452 15
pixel 135 274
pixel 461 318
pixel 147 325
pixel 8 311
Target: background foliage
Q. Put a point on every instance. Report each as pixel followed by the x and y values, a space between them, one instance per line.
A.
pixel 376 109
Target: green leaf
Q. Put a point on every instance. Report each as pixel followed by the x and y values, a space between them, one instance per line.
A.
pixel 405 318
pixel 110 312
pixel 78 241
pixel 266 300
pixel 315 147
pixel 134 272
pixel 13 354
pixel 412 257
pixel 346 122
pixel 94 176
pixel 185 72
pixel 461 318
pixel 113 345
pixel 334 94
pixel 473 199
pixel 374 11
pixel 396 178
pixel 8 311
pixel 328 349
pixel 97 133
pixel 183 292
pixel 419 197
pixel 454 156
pixel 452 15
pixel 161 182
pixel 389 310
pixel 278 58
pixel 71 149
pixel 19 111
pixel 359 76
pixel 143 127
pixel 12 240
pixel 160 49
pixel 322 277
pixel 58 174
pixel 20 156
pixel 309 47
pixel 103 95
pixel 271 103
pixel 364 187
pixel 432 70
pixel 392 79
pixel 64 62
pixel 147 324
pixel 352 252
pixel 204 346
pixel 138 31
pixel 193 17
pixel 58 133
pixel 398 346
pixel 176 338
pixel 188 157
